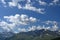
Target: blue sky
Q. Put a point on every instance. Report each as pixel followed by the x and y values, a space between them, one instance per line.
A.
pixel 42 14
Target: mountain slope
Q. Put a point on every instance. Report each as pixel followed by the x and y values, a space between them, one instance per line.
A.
pixel 5 35
pixel 35 35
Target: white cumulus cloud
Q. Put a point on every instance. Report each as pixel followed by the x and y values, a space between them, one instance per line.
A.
pixel 3 1
pixel 42 3
pixel 55 2
pixel 53 23
pixel 13 22
pixel 28 6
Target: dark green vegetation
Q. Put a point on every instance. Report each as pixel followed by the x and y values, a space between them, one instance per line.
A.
pixel 25 37
pixel 58 38
pixel 35 35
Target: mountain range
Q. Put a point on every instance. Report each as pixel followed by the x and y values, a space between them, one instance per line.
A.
pixel 4 35
pixel 35 35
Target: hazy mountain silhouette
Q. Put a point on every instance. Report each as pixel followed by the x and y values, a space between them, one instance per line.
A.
pixel 35 35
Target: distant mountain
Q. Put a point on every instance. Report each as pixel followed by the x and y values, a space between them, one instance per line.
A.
pixel 35 35
pixel 5 35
